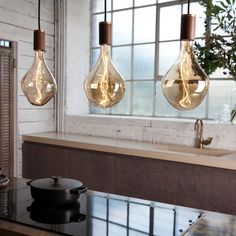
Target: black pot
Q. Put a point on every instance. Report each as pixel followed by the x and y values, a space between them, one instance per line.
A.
pixel 55 214
pixel 56 190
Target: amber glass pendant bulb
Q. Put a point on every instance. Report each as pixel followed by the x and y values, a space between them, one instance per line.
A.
pixel 38 84
pixel 185 84
pixel 104 86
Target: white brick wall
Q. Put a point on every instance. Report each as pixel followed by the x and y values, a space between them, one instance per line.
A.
pixel 171 131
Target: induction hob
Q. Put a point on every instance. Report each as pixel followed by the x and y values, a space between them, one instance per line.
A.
pixel 98 214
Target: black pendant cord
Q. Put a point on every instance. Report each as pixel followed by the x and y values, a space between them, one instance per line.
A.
pixel 39 15
pixel 188 6
pixel 105 10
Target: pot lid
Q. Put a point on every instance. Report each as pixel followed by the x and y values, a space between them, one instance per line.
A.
pixel 55 183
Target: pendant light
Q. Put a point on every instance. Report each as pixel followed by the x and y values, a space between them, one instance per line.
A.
pixel 104 86
pixel 185 84
pixel 38 84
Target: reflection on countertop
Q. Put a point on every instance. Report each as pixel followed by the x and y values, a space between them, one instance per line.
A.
pixel 107 214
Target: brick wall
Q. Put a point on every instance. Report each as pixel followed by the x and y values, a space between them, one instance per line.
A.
pixel 170 131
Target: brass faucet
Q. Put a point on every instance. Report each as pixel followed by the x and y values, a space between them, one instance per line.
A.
pixel 201 141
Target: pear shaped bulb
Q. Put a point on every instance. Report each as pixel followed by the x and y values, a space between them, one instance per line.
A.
pixel 38 84
pixel 185 84
pixel 104 86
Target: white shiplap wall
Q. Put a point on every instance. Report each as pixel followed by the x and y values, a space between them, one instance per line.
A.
pixel 18 19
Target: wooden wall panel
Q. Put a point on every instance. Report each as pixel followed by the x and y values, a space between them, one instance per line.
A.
pixel 95 169
pixel 44 162
pixel 177 183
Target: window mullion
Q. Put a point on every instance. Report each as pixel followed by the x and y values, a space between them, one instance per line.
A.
pixel 132 63
pixel 156 58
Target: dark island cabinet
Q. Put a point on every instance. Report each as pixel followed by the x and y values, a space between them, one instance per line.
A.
pixel 40 161
pixel 177 183
pixel 171 182
pixel 95 169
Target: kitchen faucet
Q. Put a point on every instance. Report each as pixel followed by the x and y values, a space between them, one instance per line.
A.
pixel 198 126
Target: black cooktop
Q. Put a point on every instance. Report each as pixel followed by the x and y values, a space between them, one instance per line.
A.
pixel 98 214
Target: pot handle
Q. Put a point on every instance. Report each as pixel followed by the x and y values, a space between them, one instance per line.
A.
pixel 78 218
pixel 79 190
pixel 29 182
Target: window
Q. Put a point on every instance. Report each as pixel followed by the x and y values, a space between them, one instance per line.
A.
pixel 145 45
pixel 6 107
pixel 5 43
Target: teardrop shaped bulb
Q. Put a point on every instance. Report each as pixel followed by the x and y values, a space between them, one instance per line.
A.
pixel 38 84
pixel 104 86
pixel 185 84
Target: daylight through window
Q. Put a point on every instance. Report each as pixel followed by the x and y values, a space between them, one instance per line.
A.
pixel 145 44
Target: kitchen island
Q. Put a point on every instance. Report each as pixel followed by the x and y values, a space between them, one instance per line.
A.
pixel 107 214
pixel 206 157
pixel 179 175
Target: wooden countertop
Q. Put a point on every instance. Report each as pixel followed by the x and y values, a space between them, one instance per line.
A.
pixel 206 157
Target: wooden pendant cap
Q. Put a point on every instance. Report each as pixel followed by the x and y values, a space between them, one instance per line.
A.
pixel 188 22
pixel 39 40
pixel 105 30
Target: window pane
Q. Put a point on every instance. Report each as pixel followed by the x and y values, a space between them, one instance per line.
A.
pixel 144 61
pixel 118 211
pixel 121 57
pixel 98 207
pixel 168 53
pixel 116 230
pixel 97 110
pixel 163 108
pixel 98 227
pixel 98 5
pixel 170 22
pixel 123 107
pixel 136 233
pixel 144 2
pixel 142 98
pixel 144 27
pixel 139 217
pixel 118 4
pixel 163 222
pixel 219 94
pixel 95 55
pixel 122 27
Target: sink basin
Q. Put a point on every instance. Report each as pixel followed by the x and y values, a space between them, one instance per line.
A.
pixel 194 150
